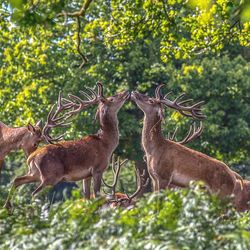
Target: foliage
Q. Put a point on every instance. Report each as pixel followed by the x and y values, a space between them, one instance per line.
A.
pixel 34 69
pixel 129 45
pixel 184 28
pixel 180 219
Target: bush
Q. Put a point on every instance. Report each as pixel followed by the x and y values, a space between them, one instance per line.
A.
pixel 179 219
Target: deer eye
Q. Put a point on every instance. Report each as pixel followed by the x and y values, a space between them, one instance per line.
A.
pixel 150 101
pixel 111 99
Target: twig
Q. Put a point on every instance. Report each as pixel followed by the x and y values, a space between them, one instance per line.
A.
pixel 79 13
pixel 84 59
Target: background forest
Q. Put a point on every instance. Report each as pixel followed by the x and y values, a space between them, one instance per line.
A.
pixel 197 47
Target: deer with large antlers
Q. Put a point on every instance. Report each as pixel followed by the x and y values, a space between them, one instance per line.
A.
pixel 28 138
pixel 170 162
pixel 116 199
pixel 81 159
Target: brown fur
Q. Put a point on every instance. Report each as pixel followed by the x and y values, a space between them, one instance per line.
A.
pixel 169 162
pixel 242 196
pixel 25 138
pixel 85 158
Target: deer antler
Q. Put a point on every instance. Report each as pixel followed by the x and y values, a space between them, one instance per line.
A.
pixel 64 104
pixel 80 104
pixel 100 90
pixel 193 133
pixel 140 185
pixel 194 111
pixel 54 121
pixel 116 171
pixel 92 97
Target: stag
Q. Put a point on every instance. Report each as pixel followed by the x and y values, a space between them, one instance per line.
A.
pixel 28 138
pixel 81 159
pixel 116 199
pixel 170 162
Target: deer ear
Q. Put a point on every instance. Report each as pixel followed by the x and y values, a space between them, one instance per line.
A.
pixel 31 128
pixel 39 124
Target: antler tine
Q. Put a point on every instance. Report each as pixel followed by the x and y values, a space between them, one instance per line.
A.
pixel 140 185
pixel 178 98
pixel 171 136
pixel 80 105
pixel 100 89
pixel 185 101
pixel 169 93
pixel 54 121
pixel 116 171
pixel 92 95
pixel 193 111
pixel 91 91
pixel 193 133
pixel 157 91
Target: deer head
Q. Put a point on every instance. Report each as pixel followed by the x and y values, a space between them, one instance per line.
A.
pixel 154 105
pixel 110 104
pixel 32 137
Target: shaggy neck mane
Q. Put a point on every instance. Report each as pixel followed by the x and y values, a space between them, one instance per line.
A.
pixel 109 132
pixel 151 133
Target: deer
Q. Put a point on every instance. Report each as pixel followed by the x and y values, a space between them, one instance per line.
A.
pixel 28 137
pixel 117 199
pixel 170 162
pixel 194 133
pixel 82 159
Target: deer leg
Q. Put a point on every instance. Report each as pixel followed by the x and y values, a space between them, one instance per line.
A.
pixel 86 187
pixel 160 183
pixel 16 183
pixel 49 181
pixel 97 180
pixel 38 189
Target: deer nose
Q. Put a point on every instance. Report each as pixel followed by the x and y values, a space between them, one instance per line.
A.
pixel 134 94
pixel 126 95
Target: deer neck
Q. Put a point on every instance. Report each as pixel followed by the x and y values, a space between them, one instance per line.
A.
pixel 151 133
pixel 109 132
pixel 12 139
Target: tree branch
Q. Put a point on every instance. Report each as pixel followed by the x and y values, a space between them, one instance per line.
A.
pixel 79 13
pixel 84 59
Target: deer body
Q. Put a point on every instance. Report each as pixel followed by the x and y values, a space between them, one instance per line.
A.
pixel 169 162
pixel 85 158
pixel 79 159
pixel 26 138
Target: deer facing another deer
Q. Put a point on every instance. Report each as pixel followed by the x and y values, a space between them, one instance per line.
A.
pixel 85 158
pixel 169 162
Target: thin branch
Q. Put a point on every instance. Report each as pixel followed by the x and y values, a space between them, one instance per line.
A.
pixel 83 57
pixel 79 13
